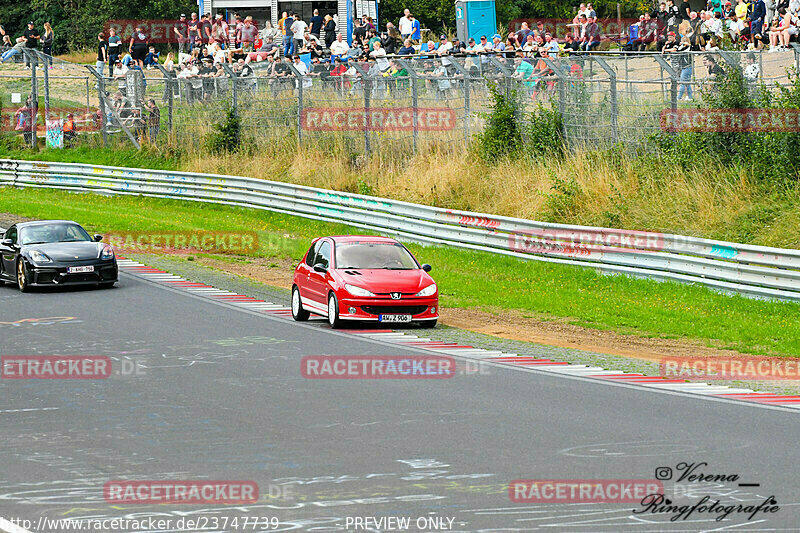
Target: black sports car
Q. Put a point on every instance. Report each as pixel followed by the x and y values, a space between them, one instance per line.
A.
pixel 55 252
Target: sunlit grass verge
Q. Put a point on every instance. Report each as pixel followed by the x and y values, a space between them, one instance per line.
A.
pixel 466 278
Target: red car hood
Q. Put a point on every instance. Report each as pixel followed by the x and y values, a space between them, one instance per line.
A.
pixel 384 281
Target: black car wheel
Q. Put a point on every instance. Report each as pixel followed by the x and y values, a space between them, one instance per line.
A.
pixel 333 311
pixel 298 313
pixel 23 279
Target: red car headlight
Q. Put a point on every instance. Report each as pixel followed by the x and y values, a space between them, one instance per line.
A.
pixel 357 291
pixel 430 290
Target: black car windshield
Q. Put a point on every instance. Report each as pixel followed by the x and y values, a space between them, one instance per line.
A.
pixel 366 255
pixel 56 232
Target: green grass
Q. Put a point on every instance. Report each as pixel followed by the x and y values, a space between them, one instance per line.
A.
pixel 466 278
pixel 121 157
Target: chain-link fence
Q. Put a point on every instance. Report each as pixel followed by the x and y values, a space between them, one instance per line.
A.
pixel 387 105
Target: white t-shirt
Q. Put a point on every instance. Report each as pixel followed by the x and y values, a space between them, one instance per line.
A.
pixel 302 68
pixel 405 25
pixel 380 58
pixel 298 29
pixel 339 48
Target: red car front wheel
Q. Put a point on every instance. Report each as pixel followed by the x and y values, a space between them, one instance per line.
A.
pixel 333 311
pixel 298 313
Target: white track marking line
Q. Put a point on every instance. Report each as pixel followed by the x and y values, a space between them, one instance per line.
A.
pixel 394 337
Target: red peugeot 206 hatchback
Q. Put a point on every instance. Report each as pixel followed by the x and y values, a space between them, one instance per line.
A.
pixel 363 278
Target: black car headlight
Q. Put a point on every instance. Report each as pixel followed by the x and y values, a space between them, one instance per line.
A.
pixel 39 257
pixel 107 253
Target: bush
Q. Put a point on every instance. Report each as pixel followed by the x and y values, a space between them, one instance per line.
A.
pixel 227 135
pixel 767 155
pixel 544 133
pixel 501 136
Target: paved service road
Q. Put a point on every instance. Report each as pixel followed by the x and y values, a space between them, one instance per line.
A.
pixel 218 395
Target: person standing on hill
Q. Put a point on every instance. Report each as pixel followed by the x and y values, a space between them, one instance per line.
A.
pixel 47 41
pixel 31 41
pixel 298 30
pixel 316 24
pixel 288 36
pixel 330 31
pixel 102 53
pixel 114 44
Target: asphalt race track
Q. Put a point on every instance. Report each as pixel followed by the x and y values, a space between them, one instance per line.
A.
pixel 202 390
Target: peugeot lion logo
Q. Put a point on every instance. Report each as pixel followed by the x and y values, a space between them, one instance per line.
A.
pixel 395 295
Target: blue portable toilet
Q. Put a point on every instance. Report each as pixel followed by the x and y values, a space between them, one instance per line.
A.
pixel 475 18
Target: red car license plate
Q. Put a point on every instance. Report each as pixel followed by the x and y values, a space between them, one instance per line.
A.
pixel 394 318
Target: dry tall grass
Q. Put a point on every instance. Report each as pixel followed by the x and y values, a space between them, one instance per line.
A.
pixel 589 189
pixel 81 57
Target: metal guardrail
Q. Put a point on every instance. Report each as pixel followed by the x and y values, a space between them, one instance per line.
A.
pixel 755 271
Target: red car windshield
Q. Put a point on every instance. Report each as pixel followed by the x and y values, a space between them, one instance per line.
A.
pixel 362 255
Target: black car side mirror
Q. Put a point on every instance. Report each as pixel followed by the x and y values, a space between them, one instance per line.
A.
pixel 98 237
pixel 319 267
pixel 426 267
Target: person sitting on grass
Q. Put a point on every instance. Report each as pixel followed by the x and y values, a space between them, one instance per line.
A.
pixel 151 58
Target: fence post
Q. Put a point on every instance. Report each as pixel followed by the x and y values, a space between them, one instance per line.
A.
pixel 87 95
pixel 169 94
pixel 612 80
pixel 414 99
pixel 563 81
pixel 673 76
pixel 31 58
pixel 731 60
pixel 45 71
pixel 101 87
pixel 234 92
pixel 299 81
pixel 467 103
pixel 367 99
pixel 796 49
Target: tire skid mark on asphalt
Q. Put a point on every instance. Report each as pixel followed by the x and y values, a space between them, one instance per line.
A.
pixel 470 352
